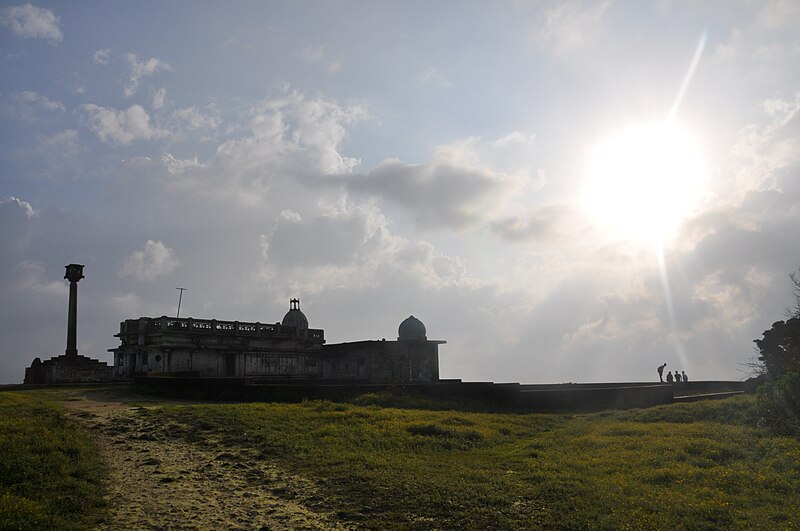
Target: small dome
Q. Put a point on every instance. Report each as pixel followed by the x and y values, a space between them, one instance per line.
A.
pixel 411 328
pixel 294 317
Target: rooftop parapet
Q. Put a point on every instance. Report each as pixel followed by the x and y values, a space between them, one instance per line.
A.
pixel 190 325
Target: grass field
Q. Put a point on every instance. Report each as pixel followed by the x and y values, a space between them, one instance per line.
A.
pixel 703 465
pixel 686 465
pixel 50 476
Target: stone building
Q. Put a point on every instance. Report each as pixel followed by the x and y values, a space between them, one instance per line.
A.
pixel 285 350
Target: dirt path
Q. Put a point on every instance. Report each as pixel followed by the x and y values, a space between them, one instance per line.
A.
pixel 161 481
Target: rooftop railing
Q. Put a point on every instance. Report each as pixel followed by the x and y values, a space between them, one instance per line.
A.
pixel 187 324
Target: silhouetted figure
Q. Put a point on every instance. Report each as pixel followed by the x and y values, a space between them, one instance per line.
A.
pixel 661 372
pixel 669 377
pixel 685 378
pixel 677 377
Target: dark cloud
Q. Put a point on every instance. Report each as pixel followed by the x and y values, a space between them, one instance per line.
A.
pixel 439 193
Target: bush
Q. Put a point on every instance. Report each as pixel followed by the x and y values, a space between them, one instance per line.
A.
pixel 779 404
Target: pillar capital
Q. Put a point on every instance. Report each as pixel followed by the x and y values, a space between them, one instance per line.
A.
pixel 74 272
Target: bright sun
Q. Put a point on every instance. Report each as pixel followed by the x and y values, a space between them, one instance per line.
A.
pixel 642 182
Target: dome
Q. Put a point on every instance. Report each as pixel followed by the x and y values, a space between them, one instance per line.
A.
pixel 294 317
pixel 411 328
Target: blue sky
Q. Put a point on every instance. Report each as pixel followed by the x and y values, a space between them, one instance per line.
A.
pixel 506 171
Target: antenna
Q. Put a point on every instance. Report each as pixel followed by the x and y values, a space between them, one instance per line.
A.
pixel 180 297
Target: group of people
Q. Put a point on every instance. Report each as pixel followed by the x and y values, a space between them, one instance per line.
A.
pixel 677 378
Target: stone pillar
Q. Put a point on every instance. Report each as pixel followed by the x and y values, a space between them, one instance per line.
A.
pixel 74 274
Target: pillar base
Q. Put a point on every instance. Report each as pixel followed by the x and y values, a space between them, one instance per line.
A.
pixel 68 369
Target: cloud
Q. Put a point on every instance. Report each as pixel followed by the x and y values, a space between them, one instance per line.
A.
pixel 153 261
pixel 177 166
pixel 458 188
pixel 764 153
pixel 547 223
pixel 159 97
pixel 432 76
pixel 440 194
pixel 32 278
pixel 31 22
pixel 23 206
pixel 317 53
pixel 120 128
pixel 192 119
pixel 350 248
pixel 762 44
pixel 567 26
pixel 290 138
pixel 27 105
pixel 102 57
pixel 137 69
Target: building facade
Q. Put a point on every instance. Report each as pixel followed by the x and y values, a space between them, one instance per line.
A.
pixel 282 351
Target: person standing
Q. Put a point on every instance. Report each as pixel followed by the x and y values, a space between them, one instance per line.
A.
pixel 661 372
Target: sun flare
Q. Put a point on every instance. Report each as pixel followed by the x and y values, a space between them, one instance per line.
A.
pixel 642 182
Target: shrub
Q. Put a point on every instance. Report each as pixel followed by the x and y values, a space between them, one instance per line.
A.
pixel 779 404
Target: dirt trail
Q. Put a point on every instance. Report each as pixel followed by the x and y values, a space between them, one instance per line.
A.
pixel 161 481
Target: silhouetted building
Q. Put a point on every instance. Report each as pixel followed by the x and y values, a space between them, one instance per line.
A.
pixel 285 350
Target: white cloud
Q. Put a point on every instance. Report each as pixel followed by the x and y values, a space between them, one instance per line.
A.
pixel 159 97
pixel 26 105
pixel 291 138
pixel 567 26
pixel 32 277
pixel 137 69
pixel 317 53
pixel 31 22
pixel 120 127
pixel 153 261
pixel 192 118
pixel 352 248
pixel 101 57
pixel 432 76
pixel 22 205
pixel 764 152
pixel 177 166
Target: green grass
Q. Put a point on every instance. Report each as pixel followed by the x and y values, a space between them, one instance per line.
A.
pixel 703 465
pixel 50 476
pixel 695 466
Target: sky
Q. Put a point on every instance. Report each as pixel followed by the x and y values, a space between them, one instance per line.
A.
pixel 563 191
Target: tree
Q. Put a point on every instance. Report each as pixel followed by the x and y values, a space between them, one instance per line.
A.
pixel 795 280
pixel 779 364
pixel 780 349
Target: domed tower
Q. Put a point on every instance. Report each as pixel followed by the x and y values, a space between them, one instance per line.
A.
pixel 294 317
pixel 412 329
